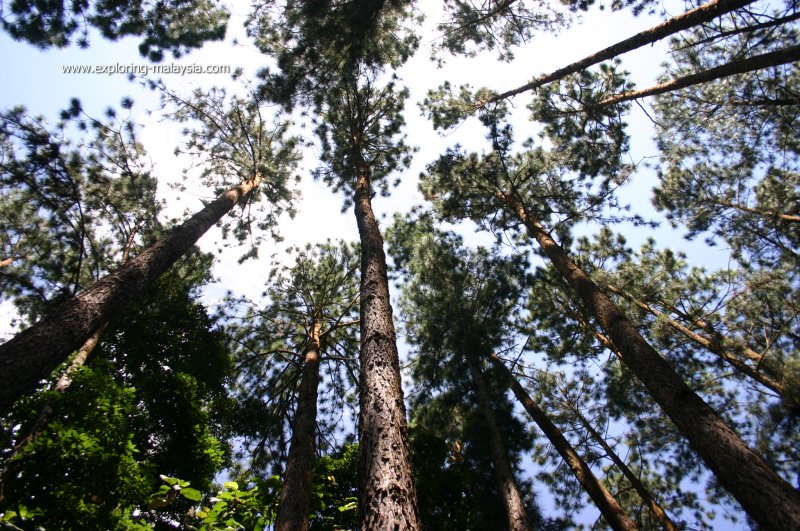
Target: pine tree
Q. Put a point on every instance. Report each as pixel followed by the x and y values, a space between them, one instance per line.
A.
pixel 456 305
pixel 261 154
pixel 446 109
pixel 360 150
pixel 329 57
pixel 304 334
pixel 729 148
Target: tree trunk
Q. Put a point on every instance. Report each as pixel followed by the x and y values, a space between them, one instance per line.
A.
pixel 767 214
pixel 501 468
pixel 758 62
pixel 724 348
pixel 34 353
pixel 666 523
pixel 609 508
pixel 769 499
pixel 388 496
pixel 295 501
pixel 699 15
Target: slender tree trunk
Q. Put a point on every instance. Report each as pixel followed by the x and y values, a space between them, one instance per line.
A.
pixel 501 468
pixel 773 214
pixel 726 349
pixel 699 15
pixel 758 62
pixel 609 508
pixel 666 523
pixel 388 496
pixel 769 499
pixel 34 353
pixel 295 501
pixel 771 23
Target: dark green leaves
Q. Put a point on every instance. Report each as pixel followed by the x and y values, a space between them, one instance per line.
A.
pixel 589 139
pixel 360 133
pixel 167 26
pixel 472 27
pixel 319 44
pixel 74 204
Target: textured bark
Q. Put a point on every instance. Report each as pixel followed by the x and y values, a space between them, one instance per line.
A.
pixel 34 353
pixel 609 508
pixel 758 62
pixel 666 523
pixel 388 497
pixel 726 349
pixel 501 469
pixel 295 503
pixel 769 499
pixel 699 15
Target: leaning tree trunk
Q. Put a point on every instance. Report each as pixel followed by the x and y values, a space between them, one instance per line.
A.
pixel 501 469
pixel 388 496
pixel 295 503
pixel 694 17
pixel 34 353
pixel 783 56
pixel 666 523
pixel 769 499
pixel 611 510
pixel 726 349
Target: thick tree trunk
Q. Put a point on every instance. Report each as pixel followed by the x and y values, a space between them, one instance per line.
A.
pixel 609 508
pixel 790 54
pixel 726 349
pixel 33 354
pixel 295 501
pixel 388 496
pixel 699 15
pixel 769 499
pixel 501 468
pixel 666 523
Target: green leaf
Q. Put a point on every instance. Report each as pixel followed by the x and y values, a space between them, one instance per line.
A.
pixel 231 485
pixel 169 481
pixel 350 506
pixel 191 494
